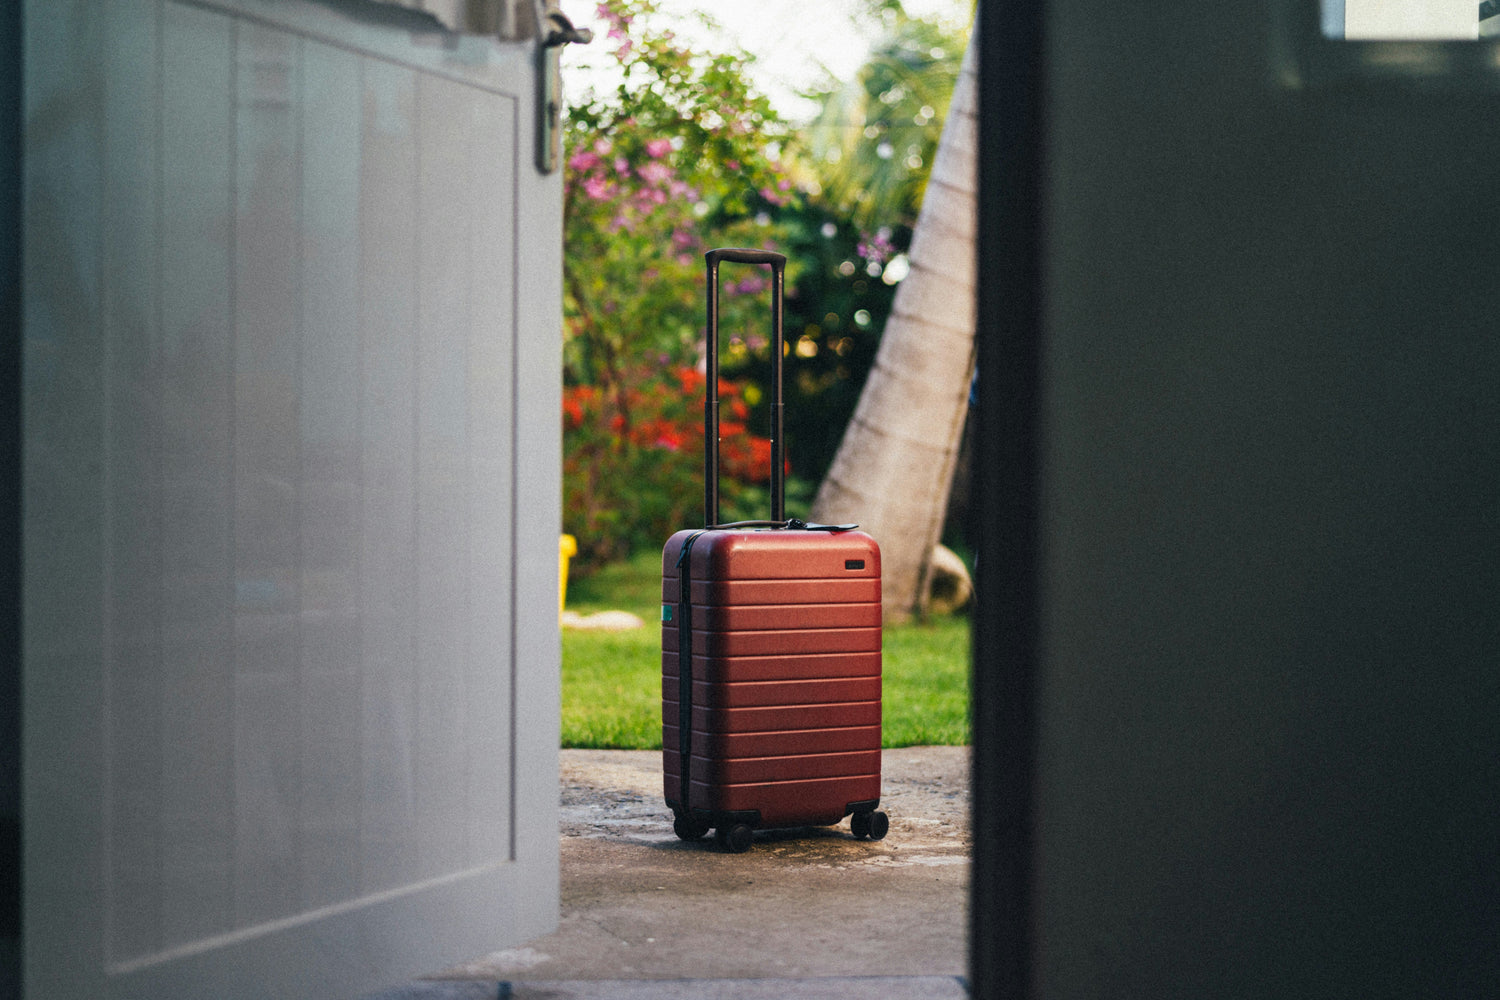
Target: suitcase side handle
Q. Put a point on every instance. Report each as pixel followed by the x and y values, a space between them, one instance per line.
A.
pixel 740 255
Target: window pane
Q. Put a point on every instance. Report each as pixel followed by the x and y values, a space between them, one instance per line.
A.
pixel 1409 20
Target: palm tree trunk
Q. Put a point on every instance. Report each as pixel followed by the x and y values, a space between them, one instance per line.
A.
pixel 894 468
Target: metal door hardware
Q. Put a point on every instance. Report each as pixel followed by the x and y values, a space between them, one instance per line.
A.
pixel 555 30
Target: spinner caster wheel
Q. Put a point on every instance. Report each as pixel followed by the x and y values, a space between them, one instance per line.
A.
pixel 735 839
pixel 873 825
pixel 689 828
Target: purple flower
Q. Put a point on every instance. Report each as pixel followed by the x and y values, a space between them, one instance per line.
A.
pixel 877 248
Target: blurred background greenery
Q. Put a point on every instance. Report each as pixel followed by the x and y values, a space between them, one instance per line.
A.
pixel 611 681
pixel 681 153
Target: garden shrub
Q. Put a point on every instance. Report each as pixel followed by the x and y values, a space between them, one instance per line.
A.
pixel 633 464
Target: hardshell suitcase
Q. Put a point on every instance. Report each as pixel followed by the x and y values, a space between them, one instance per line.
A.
pixel 770 651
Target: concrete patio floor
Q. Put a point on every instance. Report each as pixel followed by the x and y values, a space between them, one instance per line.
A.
pixel 810 913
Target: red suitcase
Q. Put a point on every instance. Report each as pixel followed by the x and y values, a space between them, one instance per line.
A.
pixel 770 651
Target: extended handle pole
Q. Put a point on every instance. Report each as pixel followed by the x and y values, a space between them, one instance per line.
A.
pixel 711 399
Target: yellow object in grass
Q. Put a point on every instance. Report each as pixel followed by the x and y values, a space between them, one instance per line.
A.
pixel 567 548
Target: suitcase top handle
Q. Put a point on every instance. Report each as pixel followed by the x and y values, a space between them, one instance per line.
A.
pixel 746 256
pixel 711 402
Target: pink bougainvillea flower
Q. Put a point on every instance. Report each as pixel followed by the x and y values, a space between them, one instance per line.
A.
pixel 606 12
pixel 596 188
pixel 655 173
pixel 622 166
pixel 657 148
pixel 584 160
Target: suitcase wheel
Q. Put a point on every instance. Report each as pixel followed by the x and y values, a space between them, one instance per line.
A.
pixel 735 838
pixel 874 825
pixel 689 828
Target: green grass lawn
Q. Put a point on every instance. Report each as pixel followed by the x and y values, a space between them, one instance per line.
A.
pixel 611 683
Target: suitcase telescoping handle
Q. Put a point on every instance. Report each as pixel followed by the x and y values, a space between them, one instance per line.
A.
pixel 711 403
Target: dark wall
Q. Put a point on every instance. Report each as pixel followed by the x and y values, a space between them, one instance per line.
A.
pixel 10 499
pixel 1247 593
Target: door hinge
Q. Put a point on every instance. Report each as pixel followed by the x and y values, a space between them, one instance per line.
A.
pixel 554 30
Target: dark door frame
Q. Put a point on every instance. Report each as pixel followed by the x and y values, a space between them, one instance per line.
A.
pixel 1007 476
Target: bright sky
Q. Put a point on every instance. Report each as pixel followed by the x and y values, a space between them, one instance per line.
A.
pixel 794 41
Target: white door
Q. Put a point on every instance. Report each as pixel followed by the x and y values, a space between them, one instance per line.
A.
pixel 291 498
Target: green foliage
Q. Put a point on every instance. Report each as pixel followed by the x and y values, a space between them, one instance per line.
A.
pixel 611 681
pixel 611 689
pixel 926 690
pixel 633 466
pixel 680 157
pixel 852 231
pixel 872 145
pixel 834 316
pixel 632 584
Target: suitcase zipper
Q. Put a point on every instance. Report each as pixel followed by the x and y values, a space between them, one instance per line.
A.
pixel 685 670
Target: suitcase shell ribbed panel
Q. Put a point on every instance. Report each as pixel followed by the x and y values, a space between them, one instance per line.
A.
pixel 785 634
